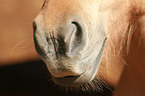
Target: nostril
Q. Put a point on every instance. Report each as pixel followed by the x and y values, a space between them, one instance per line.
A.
pixel 36 41
pixel 77 38
pixel 62 46
pixel 34 27
pixel 78 30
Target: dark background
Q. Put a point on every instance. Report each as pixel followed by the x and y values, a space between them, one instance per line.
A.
pixel 33 79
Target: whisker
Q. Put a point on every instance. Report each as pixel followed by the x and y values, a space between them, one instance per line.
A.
pixel 105 84
pixel 16 46
pixel 22 47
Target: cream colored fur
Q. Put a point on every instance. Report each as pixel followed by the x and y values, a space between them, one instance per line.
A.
pixel 114 19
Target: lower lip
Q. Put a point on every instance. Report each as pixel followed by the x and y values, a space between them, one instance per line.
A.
pixel 66 81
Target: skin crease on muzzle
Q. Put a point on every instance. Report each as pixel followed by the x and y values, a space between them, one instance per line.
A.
pixel 68 43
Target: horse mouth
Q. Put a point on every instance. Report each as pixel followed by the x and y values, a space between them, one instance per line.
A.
pixel 68 80
pixel 83 79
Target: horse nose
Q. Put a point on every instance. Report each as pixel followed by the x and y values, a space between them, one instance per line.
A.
pixel 67 39
pixel 60 48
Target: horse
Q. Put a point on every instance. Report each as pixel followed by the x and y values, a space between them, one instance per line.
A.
pixel 84 42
